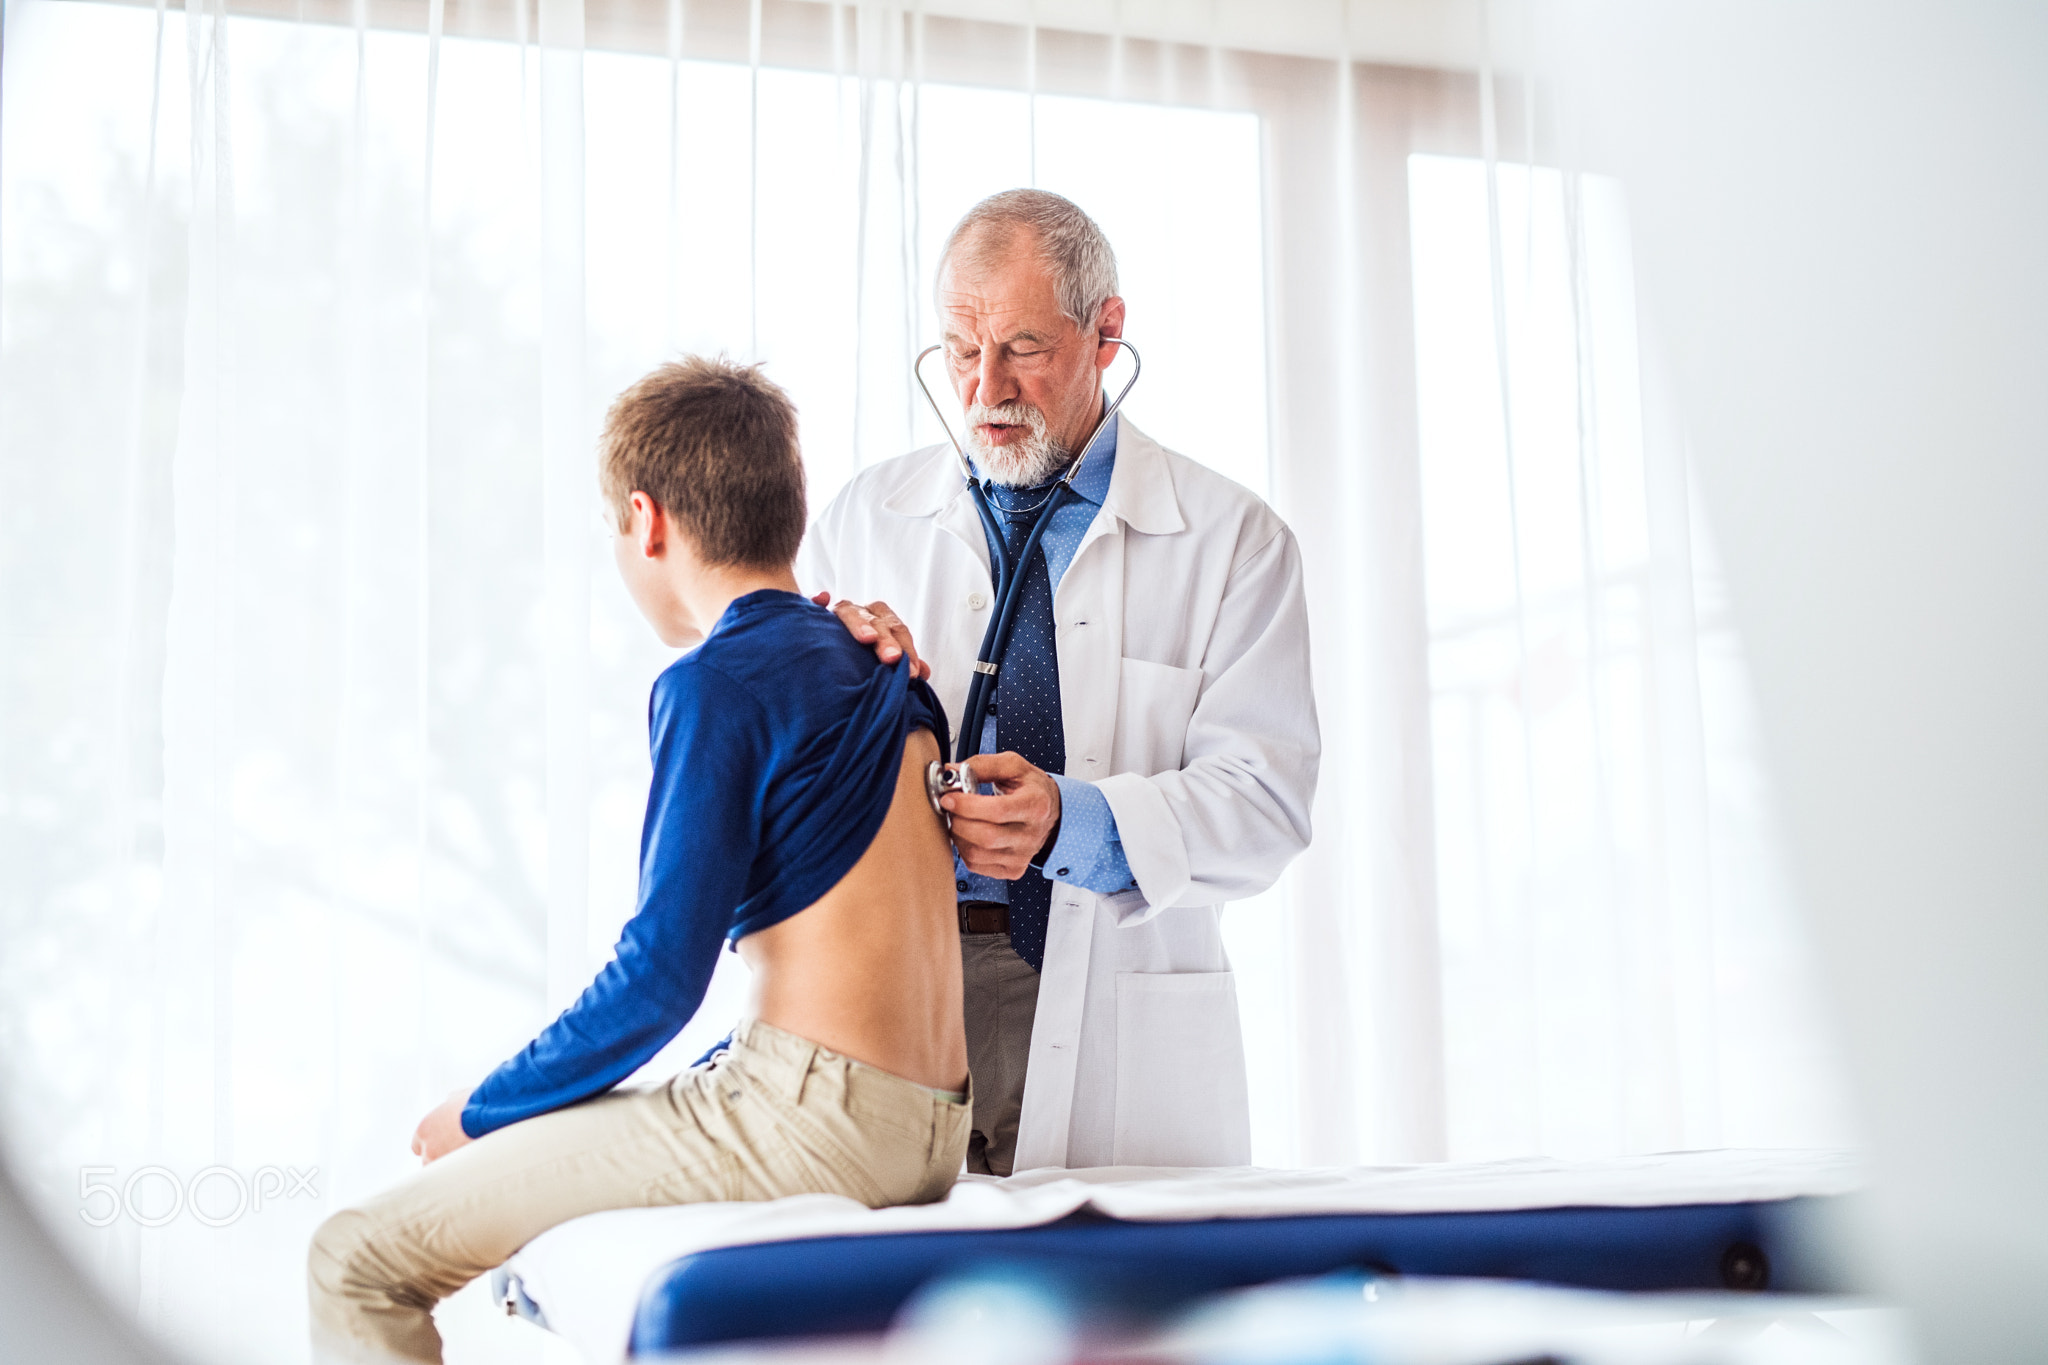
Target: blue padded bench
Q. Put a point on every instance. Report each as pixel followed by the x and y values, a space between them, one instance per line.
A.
pixel 855 1284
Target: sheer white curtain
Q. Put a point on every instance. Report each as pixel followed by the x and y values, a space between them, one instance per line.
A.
pixel 322 736
pixel 1544 911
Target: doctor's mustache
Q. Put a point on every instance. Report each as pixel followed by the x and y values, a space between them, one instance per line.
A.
pixel 1023 463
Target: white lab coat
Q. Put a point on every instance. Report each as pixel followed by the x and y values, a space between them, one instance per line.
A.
pixel 1184 684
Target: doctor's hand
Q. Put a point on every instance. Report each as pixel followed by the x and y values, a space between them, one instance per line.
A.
pixel 999 835
pixel 440 1132
pixel 874 624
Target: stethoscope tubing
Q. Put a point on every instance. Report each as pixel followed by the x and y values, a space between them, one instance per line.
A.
pixel 995 641
pixel 1008 580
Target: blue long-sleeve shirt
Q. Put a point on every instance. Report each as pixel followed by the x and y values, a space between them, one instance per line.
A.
pixel 1087 852
pixel 776 745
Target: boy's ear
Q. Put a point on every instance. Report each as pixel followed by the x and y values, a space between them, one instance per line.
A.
pixel 650 525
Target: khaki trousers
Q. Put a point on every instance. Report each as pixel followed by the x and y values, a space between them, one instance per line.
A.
pixel 775 1115
pixel 1001 997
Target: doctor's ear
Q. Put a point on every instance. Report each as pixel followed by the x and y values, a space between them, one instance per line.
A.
pixel 1112 325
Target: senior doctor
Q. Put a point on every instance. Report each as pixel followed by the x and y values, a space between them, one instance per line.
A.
pixel 1153 744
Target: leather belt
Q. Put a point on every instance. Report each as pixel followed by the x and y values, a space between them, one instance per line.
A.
pixel 984 917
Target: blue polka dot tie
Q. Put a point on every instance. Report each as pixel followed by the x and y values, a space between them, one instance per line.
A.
pixel 1027 705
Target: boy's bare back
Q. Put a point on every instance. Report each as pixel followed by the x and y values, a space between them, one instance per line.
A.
pixel 872 970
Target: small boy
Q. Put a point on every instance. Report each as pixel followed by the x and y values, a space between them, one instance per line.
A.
pixel 788 816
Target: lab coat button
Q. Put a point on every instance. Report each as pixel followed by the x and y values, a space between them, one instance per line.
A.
pixel 976 601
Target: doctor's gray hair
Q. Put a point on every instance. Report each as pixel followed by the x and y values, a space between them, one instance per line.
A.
pixel 1069 244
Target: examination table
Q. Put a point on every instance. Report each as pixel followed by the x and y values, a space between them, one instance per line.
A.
pixel 642 1281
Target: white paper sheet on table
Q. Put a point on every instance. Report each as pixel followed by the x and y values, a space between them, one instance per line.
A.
pixel 587 1274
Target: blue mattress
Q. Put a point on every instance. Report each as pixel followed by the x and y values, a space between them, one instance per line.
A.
pixel 836 1285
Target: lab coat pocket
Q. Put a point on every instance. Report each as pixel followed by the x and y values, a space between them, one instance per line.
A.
pixel 1153 706
pixel 1180 1080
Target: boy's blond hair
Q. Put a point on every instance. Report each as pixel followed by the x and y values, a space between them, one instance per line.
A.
pixel 715 444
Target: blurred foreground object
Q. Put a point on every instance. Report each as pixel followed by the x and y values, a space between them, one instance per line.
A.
pixel 1473 1322
pixel 1840 210
pixel 1024 1319
pixel 48 1313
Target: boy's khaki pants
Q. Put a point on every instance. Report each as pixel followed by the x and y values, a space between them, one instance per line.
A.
pixel 774 1115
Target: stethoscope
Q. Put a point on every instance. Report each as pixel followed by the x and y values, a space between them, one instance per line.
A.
pixel 1005 569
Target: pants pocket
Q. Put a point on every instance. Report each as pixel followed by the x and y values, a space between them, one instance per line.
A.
pixel 1180 1084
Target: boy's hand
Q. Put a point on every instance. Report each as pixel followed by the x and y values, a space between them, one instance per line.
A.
pixel 440 1132
pixel 874 624
pixel 999 835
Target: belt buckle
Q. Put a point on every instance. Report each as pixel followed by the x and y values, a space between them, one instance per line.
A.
pixel 974 915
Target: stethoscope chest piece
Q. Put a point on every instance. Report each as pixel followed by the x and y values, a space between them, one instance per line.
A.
pixel 940 778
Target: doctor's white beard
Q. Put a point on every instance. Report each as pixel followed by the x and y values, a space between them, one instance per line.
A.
pixel 1020 464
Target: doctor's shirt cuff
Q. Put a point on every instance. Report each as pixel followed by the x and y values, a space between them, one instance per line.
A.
pixel 1087 853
